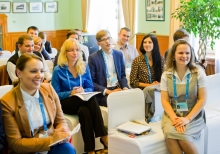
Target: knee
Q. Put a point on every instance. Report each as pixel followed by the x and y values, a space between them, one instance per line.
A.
pixel 83 111
pixel 66 148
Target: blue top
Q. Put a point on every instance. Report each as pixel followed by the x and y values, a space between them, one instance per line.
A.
pixel 61 85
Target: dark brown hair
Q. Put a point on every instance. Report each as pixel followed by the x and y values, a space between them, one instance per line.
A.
pixel 71 33
pixel 179 34
pixel 42 35
pixel 24 37
pixel 32 27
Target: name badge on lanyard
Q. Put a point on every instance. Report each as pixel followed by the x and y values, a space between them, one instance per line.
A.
pixel 181 106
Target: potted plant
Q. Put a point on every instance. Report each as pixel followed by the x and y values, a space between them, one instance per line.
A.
pixel 202 18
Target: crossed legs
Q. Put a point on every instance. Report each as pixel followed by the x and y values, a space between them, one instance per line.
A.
pixel 180 146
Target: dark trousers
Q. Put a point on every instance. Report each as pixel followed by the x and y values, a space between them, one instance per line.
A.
pixel 102 100
pixel 90 118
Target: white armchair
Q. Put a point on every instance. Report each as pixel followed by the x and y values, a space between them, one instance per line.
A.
pixel 129 105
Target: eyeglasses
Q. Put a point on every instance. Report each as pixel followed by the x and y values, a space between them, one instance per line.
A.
pixel 105 39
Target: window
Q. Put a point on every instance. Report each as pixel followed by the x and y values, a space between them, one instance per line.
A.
pixel 105 14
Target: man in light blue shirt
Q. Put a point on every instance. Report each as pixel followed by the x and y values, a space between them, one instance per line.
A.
pixel 129 52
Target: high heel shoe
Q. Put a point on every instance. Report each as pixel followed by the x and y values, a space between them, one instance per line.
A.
pixel 105 146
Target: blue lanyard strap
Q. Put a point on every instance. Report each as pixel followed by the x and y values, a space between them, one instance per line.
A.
pixel 106 68
pixel 148 67
pixel 187 87
pixel 80 80
pixel 43 113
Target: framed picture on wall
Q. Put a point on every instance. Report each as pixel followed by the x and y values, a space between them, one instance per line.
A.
pixel 5 7
pixel 51 7
pixel 36 7
pixel 19 7
pixel 155 10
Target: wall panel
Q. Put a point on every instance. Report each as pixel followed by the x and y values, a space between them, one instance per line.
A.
pixel 56 38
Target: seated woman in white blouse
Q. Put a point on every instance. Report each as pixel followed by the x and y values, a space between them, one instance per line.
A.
pixel 183 94
pixel 32 114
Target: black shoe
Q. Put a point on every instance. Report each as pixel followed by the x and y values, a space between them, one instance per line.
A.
pixel 105 147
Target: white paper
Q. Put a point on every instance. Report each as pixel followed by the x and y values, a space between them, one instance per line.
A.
pixel 86 95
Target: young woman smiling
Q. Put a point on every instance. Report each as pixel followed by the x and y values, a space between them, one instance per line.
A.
pixel 183 95
pixel 32 114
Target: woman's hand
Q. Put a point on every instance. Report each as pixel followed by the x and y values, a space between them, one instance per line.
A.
pixel 180 121
pixel 180 129
pixel 59 134
pixel 155 83
pixel 76 90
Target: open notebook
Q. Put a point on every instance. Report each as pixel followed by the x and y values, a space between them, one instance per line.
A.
pixel 85 96
pixel 133 127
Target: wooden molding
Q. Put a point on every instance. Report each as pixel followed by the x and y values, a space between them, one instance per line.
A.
pixel 210 69
pixel 56 37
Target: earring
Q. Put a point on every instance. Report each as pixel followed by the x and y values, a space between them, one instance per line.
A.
pixel 173 59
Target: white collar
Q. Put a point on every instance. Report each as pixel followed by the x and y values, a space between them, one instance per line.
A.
pixel 19 53
pixel 108 54
pixel 26 96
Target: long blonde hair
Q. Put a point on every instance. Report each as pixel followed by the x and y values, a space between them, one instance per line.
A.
pixel 63 61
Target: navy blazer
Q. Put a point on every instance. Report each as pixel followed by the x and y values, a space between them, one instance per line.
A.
pixel 45 54
pixel 48 47
pixel 98 71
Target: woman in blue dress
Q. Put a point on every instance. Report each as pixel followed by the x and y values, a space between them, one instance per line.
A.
pixel 72 76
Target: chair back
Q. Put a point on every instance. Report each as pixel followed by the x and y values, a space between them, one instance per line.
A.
pixel 53 54
pixel 3 61
pixel 213 87
pixel 5 89
pixel 158 104
pixel 50 65
pixel 6 54
pixel 125 106
pixel 54 51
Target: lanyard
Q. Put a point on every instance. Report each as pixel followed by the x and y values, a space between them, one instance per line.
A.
pixel 80 80
pixel 43 113
pixel 148 67
pixel 106 67
pixel 187 87
pixel 32 126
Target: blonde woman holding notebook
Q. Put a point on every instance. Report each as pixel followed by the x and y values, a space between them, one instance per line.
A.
pixel 72 76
